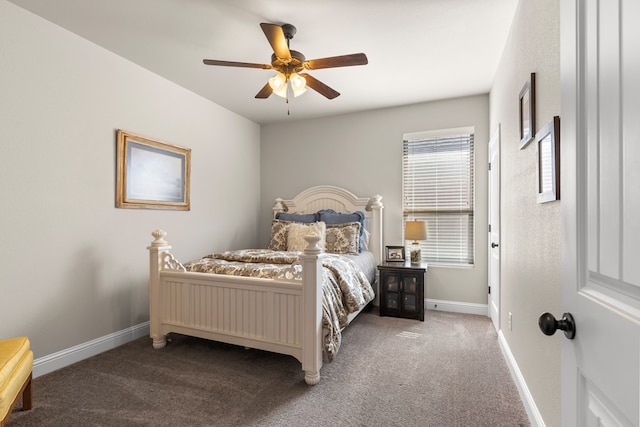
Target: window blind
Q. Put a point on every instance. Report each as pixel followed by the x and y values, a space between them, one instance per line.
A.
pixel 438 187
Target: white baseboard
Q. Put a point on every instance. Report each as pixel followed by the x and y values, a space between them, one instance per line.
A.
pixel 535 418
pixel 457 307
pixel 52 362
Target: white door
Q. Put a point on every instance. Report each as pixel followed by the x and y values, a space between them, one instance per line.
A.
pixel 600 190
pixel 494 228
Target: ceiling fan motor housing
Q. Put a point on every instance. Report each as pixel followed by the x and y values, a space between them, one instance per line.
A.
pixel 289 31
pixel 295 65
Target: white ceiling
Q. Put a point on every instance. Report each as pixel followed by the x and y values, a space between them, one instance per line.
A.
pixel 418 50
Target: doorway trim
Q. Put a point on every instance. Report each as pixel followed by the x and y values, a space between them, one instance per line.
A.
pixel 493 236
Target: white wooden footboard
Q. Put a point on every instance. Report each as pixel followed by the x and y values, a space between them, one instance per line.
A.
pixel 281 315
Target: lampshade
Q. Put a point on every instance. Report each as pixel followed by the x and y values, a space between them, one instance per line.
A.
pixel 298 84
pixel 278 84
pixel 415 230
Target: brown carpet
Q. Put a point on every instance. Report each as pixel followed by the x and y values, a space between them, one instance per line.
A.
pixel 446 371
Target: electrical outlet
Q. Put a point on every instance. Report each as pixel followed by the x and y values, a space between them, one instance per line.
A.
pixel 510 321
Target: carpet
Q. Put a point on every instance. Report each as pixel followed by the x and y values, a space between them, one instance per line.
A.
pixel 445 371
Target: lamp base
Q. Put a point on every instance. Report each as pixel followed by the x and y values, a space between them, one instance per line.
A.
pixel 416 255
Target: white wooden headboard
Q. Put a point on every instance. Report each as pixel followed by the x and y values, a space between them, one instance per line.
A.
pixel 320 197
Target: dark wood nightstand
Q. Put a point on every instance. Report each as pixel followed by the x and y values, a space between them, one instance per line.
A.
pixel 402 289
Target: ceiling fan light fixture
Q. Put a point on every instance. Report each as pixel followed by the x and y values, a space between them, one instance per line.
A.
pixel 278 84
pixel 282 92
pixel 299 91
pixel 298 84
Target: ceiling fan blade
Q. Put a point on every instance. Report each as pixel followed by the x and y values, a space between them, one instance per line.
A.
pixel 320 87
pixel 265 92
pixel 236 64
pixel 277 40
pixel 336 61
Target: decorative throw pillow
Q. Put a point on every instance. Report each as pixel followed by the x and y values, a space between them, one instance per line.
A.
pixel 343 238
pixel 279 235
pixel 296 232
pixel 329 216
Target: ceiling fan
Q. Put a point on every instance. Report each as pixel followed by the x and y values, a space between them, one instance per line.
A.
pixel 290 63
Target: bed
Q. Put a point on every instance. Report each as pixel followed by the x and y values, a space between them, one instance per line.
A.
pixel 281 314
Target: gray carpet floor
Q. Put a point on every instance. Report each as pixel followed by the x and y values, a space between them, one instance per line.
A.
pixel 445 371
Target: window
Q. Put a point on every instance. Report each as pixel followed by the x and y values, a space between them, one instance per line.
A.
pixel 438 187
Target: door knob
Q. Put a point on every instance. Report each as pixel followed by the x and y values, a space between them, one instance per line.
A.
pixel 494 245
pixel 549 325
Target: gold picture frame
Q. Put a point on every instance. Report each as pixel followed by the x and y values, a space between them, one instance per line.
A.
pixel 151 174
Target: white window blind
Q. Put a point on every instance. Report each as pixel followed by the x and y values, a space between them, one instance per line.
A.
pixel 438 187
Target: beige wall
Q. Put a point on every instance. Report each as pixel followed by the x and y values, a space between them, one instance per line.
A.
pixel 530 271
pixel 75 268
pixel 363 152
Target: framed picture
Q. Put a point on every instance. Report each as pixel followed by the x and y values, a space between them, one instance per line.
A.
pixel 151 174
pixel 395 253
pixel 548 141
pixel 528 111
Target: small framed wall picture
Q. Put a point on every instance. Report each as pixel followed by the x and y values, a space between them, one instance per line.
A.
pixel 151 174
pixel 395 253
pixel 548 141
pixel 527 106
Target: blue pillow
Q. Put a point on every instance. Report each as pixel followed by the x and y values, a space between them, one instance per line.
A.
pixel 306 218
pixel 329 216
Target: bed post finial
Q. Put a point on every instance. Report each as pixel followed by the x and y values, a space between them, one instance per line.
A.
pixel 159 237
pixel 278 206
pixel 312 244
pixel 376 201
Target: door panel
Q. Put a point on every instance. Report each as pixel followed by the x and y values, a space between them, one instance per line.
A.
pixel 598 408
pixel 600 41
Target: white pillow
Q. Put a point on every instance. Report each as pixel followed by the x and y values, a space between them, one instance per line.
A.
pixel 297 230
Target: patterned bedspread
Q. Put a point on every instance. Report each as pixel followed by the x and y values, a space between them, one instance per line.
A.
pixel 345 287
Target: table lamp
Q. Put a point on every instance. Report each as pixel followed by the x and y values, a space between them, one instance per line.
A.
pixel 415 230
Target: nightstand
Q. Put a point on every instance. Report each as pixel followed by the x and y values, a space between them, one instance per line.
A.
pixel 402 289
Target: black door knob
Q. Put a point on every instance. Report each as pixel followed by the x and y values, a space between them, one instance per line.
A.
pixel 494 245
pixel 549 325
